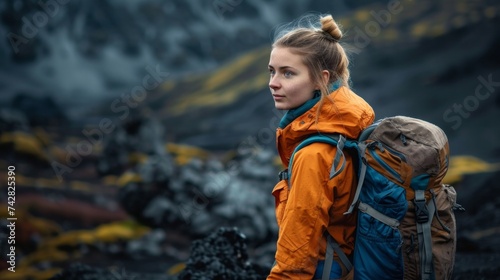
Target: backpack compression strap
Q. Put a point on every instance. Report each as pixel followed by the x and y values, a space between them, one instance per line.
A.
pixel 424 213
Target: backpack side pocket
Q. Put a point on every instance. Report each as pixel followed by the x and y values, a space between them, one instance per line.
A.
pixel 444 239
pixel 377 254
pixel 443 235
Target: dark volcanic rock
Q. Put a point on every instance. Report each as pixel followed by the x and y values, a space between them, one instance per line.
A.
pixel 84 272
pixel 222 255
pixel 40 111
pixel 79 271
pixel 196 198
pixel 139 134
pixel 478 227
pixel 12 120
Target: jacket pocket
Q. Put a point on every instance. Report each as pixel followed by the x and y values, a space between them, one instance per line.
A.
pixel 280 193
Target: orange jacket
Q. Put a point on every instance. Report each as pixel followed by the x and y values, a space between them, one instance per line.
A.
pixel 314 203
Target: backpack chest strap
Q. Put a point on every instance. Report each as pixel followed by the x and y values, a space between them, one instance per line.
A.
pixel 365 208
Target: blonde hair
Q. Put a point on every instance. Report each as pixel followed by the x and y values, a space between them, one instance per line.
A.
pixel 319 47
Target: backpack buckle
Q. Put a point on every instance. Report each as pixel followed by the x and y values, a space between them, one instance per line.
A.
pixel 283 175
pixel 421 211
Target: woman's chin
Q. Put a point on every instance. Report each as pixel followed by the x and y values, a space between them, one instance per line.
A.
pixel 281 106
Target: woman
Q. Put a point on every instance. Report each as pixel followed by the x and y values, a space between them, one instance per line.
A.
pixel 309 77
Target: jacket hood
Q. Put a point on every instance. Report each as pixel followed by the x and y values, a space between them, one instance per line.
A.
pixel 344 112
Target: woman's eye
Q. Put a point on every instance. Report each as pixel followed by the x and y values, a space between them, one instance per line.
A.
pixel 271 72
pixel 288 74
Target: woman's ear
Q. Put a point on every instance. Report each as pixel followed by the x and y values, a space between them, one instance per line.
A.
pixel 325 74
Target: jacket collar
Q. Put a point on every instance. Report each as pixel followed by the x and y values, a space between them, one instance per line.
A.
pixel 344 112
pixel 292 114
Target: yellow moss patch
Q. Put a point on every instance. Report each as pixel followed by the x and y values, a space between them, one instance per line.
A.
pixel 226 73
pixel 222 87
pixel 192 151
pixel 228 95
pixel 129 177
pixel 419 29
pixel 42 136
pixel 184 153
pixel 168 85
pixel 107 233
pixel 58 154
pixel 176 269
pixel 137 158
pixel 479 234
pixel 43 226
pixel 362 15
pixel 391 34
pixel 71 238
pixel 110 180
pixel 490 12
pixel 46 182
pixel 52 183
pixel 461 165
pixel 80 186
pixel 24 143
pixel 119 231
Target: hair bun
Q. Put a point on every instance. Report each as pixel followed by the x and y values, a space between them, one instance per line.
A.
pixel 329 26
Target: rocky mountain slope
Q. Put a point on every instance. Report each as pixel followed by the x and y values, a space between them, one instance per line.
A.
pixel 140 179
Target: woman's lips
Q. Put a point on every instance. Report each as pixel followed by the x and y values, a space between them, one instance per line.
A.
pixel 278 97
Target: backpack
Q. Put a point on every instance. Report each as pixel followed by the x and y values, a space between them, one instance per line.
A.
pixel 406 225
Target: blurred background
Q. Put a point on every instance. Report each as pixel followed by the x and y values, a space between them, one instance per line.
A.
pixel 135 127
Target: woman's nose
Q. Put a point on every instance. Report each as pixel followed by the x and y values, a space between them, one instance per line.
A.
pixel 274 83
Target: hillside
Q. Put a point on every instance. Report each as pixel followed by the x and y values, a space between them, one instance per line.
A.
pixel 426 54
pixel 112 189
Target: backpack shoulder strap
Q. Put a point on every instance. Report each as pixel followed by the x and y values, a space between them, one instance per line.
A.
pixel 361 146
pixel 361 177
pixel 335 139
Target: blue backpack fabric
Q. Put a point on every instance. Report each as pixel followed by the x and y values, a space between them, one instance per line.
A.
pixel 401 162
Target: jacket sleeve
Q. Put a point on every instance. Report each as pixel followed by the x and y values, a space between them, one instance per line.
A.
pixel 306 215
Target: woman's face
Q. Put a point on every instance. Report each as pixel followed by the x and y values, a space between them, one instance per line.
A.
pixel 290 82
